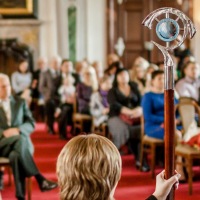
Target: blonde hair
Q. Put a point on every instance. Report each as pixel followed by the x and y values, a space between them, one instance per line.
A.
pixel 88 168
pixel 141 61
pixel 93 79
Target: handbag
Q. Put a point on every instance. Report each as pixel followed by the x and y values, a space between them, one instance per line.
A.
pixel 129 120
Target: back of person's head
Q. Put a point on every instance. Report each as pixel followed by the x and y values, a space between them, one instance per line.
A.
pixel 88 168
pixel 113 67
pixel 112 58
pixel 156 73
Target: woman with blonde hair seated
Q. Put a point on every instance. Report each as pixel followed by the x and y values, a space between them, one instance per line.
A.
pixel 89 168
pixel 138 72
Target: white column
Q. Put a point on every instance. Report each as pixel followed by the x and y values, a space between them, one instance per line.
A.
pixel 96 30
pixel 48 32
pixel 196 39
pixel 81 27
pixel 91 29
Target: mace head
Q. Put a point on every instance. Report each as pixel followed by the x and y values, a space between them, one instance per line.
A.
pixel 172 26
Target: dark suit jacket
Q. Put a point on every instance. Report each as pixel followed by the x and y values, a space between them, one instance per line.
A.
pixel 76 78
pixel 48 85
pixel 21 118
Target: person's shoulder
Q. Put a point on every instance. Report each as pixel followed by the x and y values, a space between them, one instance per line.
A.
pixel 17 98
pixel 148 95
pixel 74 74
pixel 16 73
pixel 80 84
pixel 112 90
pixel 133 84
pixel 181 81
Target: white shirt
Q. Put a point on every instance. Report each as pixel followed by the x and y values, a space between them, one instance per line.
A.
pixel 66 92
pixel 21 81
pixel 6 107
pixel 187 87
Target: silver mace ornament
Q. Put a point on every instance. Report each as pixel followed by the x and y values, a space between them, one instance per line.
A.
pixel 173 31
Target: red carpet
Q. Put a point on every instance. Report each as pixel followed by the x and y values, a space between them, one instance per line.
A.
pixel 133 184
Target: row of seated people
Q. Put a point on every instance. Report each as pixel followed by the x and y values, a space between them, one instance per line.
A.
pixel 15 144
pixel 59 85
pixel 124 100
pixel 56 73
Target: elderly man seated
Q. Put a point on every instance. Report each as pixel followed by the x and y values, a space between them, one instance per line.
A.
pixel 16 125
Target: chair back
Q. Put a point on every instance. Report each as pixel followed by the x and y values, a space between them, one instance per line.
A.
pixel 187 109
pixel 75 104
pixel 142 126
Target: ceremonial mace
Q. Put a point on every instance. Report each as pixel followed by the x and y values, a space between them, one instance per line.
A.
pixel 172 28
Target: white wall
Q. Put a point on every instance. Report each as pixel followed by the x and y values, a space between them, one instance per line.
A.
pixel 91 28
pixel 196 39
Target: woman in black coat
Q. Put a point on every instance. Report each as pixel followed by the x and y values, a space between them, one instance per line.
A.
pixel 125 112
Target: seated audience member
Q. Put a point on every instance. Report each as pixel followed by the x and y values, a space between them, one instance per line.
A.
pixel 125 112
pixel 153 110
pixel 190 84
pixel 37 105
pixel 180 53
pixel 41 66
pixel 67 69
pixel 153 107
pixel 112 58
pixel 99 69
pixel 16 125
pixel 99 106
pixel 84 91
pixel 21 81
pixel 137 74
pixel 67 98
pixel 112 69
pixel 89 168
pixel 141 61
pixel 80 67
pixel 152 67
pixel 48 86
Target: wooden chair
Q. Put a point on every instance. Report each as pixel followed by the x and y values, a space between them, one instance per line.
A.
pixel 102 130
pixel 4 162
pixel 149 145
pixel 78 118
pixel 187 109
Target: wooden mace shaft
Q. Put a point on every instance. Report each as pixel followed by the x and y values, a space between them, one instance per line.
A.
pixel 169 127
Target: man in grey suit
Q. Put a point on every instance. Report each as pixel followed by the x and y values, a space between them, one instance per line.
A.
pixel 16 125
pixel 48 86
